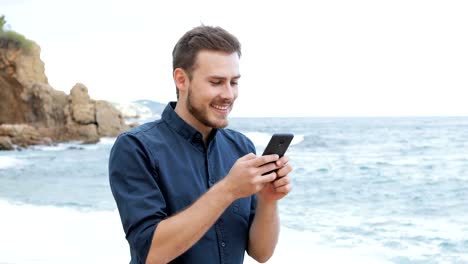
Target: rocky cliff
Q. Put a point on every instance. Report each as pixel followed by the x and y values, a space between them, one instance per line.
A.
pixel 32 112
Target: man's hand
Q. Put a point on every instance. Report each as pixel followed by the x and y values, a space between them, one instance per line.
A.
pixel 245 177
pixel 264 232
pixel 281 186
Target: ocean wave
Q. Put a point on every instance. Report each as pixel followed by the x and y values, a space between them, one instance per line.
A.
pixel 297 139
pixel 261 139
pixel 58 146
pixel 8 162
pixel 74 145
pixel 107 141
pixel 313 141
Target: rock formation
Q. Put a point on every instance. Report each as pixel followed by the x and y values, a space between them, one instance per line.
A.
pixel 32 112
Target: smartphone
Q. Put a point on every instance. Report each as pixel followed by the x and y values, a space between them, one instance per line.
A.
pixel 278 144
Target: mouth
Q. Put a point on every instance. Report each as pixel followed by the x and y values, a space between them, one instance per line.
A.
pixel 222 108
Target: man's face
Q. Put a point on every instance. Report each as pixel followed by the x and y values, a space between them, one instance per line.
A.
pixel 213 88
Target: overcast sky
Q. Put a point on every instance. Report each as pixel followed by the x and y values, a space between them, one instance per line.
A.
pixel 300 58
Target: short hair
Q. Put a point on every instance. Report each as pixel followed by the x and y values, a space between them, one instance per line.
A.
pixel 202 38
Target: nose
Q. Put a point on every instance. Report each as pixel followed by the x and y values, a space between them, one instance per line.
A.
pixel 228 92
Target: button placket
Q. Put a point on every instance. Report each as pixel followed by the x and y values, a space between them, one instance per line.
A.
pixel 221 240
pixel 211 180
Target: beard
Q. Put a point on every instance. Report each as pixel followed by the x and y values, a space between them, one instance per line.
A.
pixel 201 114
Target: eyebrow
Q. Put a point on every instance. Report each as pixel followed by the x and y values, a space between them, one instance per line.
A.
pixel 222 77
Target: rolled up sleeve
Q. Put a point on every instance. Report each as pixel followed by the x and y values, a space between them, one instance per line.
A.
pixel 133 181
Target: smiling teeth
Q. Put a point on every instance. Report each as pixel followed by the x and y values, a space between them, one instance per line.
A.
pixel 220 107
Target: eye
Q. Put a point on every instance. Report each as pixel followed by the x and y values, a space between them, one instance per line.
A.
pixel 215 83
pixel 234 83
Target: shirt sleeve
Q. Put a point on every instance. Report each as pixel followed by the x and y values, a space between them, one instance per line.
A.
pixel 133 182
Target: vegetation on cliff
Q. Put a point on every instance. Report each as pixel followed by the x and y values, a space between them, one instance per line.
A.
pixel 33 112
pixel 12 39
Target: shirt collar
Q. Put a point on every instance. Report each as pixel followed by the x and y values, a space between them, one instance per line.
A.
pixel 180 126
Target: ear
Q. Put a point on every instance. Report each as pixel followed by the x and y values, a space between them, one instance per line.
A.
pixel 181 79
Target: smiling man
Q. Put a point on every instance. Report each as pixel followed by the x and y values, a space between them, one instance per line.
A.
pixel 189 190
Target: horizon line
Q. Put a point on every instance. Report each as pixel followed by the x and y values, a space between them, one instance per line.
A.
pixel 359 116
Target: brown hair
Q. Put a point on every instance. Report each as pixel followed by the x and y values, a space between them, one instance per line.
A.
pixel 202 38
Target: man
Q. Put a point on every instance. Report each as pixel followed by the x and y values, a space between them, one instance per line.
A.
pixel 188 190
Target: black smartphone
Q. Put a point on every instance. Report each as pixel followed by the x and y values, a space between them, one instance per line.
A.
pixel 278 144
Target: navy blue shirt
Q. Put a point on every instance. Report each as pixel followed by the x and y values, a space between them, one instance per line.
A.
pixel 162 167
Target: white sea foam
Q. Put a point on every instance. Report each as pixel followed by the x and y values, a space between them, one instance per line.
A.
pixel 74 145
pixel 53 235
pixel 107 141
pixel 46 234
pixel 8 162
pixel 261 139
pixel 57 147
pixel 56 235
pixel 297 139
pixel 306 247
pixel 258 138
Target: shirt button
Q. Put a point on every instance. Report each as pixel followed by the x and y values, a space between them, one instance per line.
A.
pixel 223 244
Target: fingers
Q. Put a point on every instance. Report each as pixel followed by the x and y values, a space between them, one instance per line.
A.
pixel 282 185
pixel 267 168
pixel 259 161
pixel 248 157
pixel 282 161
pixel 279 182
pixel 267 178
pixel 281 167
pixel 285 170
pixel 284 189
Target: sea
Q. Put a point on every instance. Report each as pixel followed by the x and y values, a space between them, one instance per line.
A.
pixel 365 190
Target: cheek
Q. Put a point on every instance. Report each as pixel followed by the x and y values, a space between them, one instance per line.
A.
pixel 235 91
pixel 202 91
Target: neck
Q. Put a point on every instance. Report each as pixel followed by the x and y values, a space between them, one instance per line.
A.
pixel 191 120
